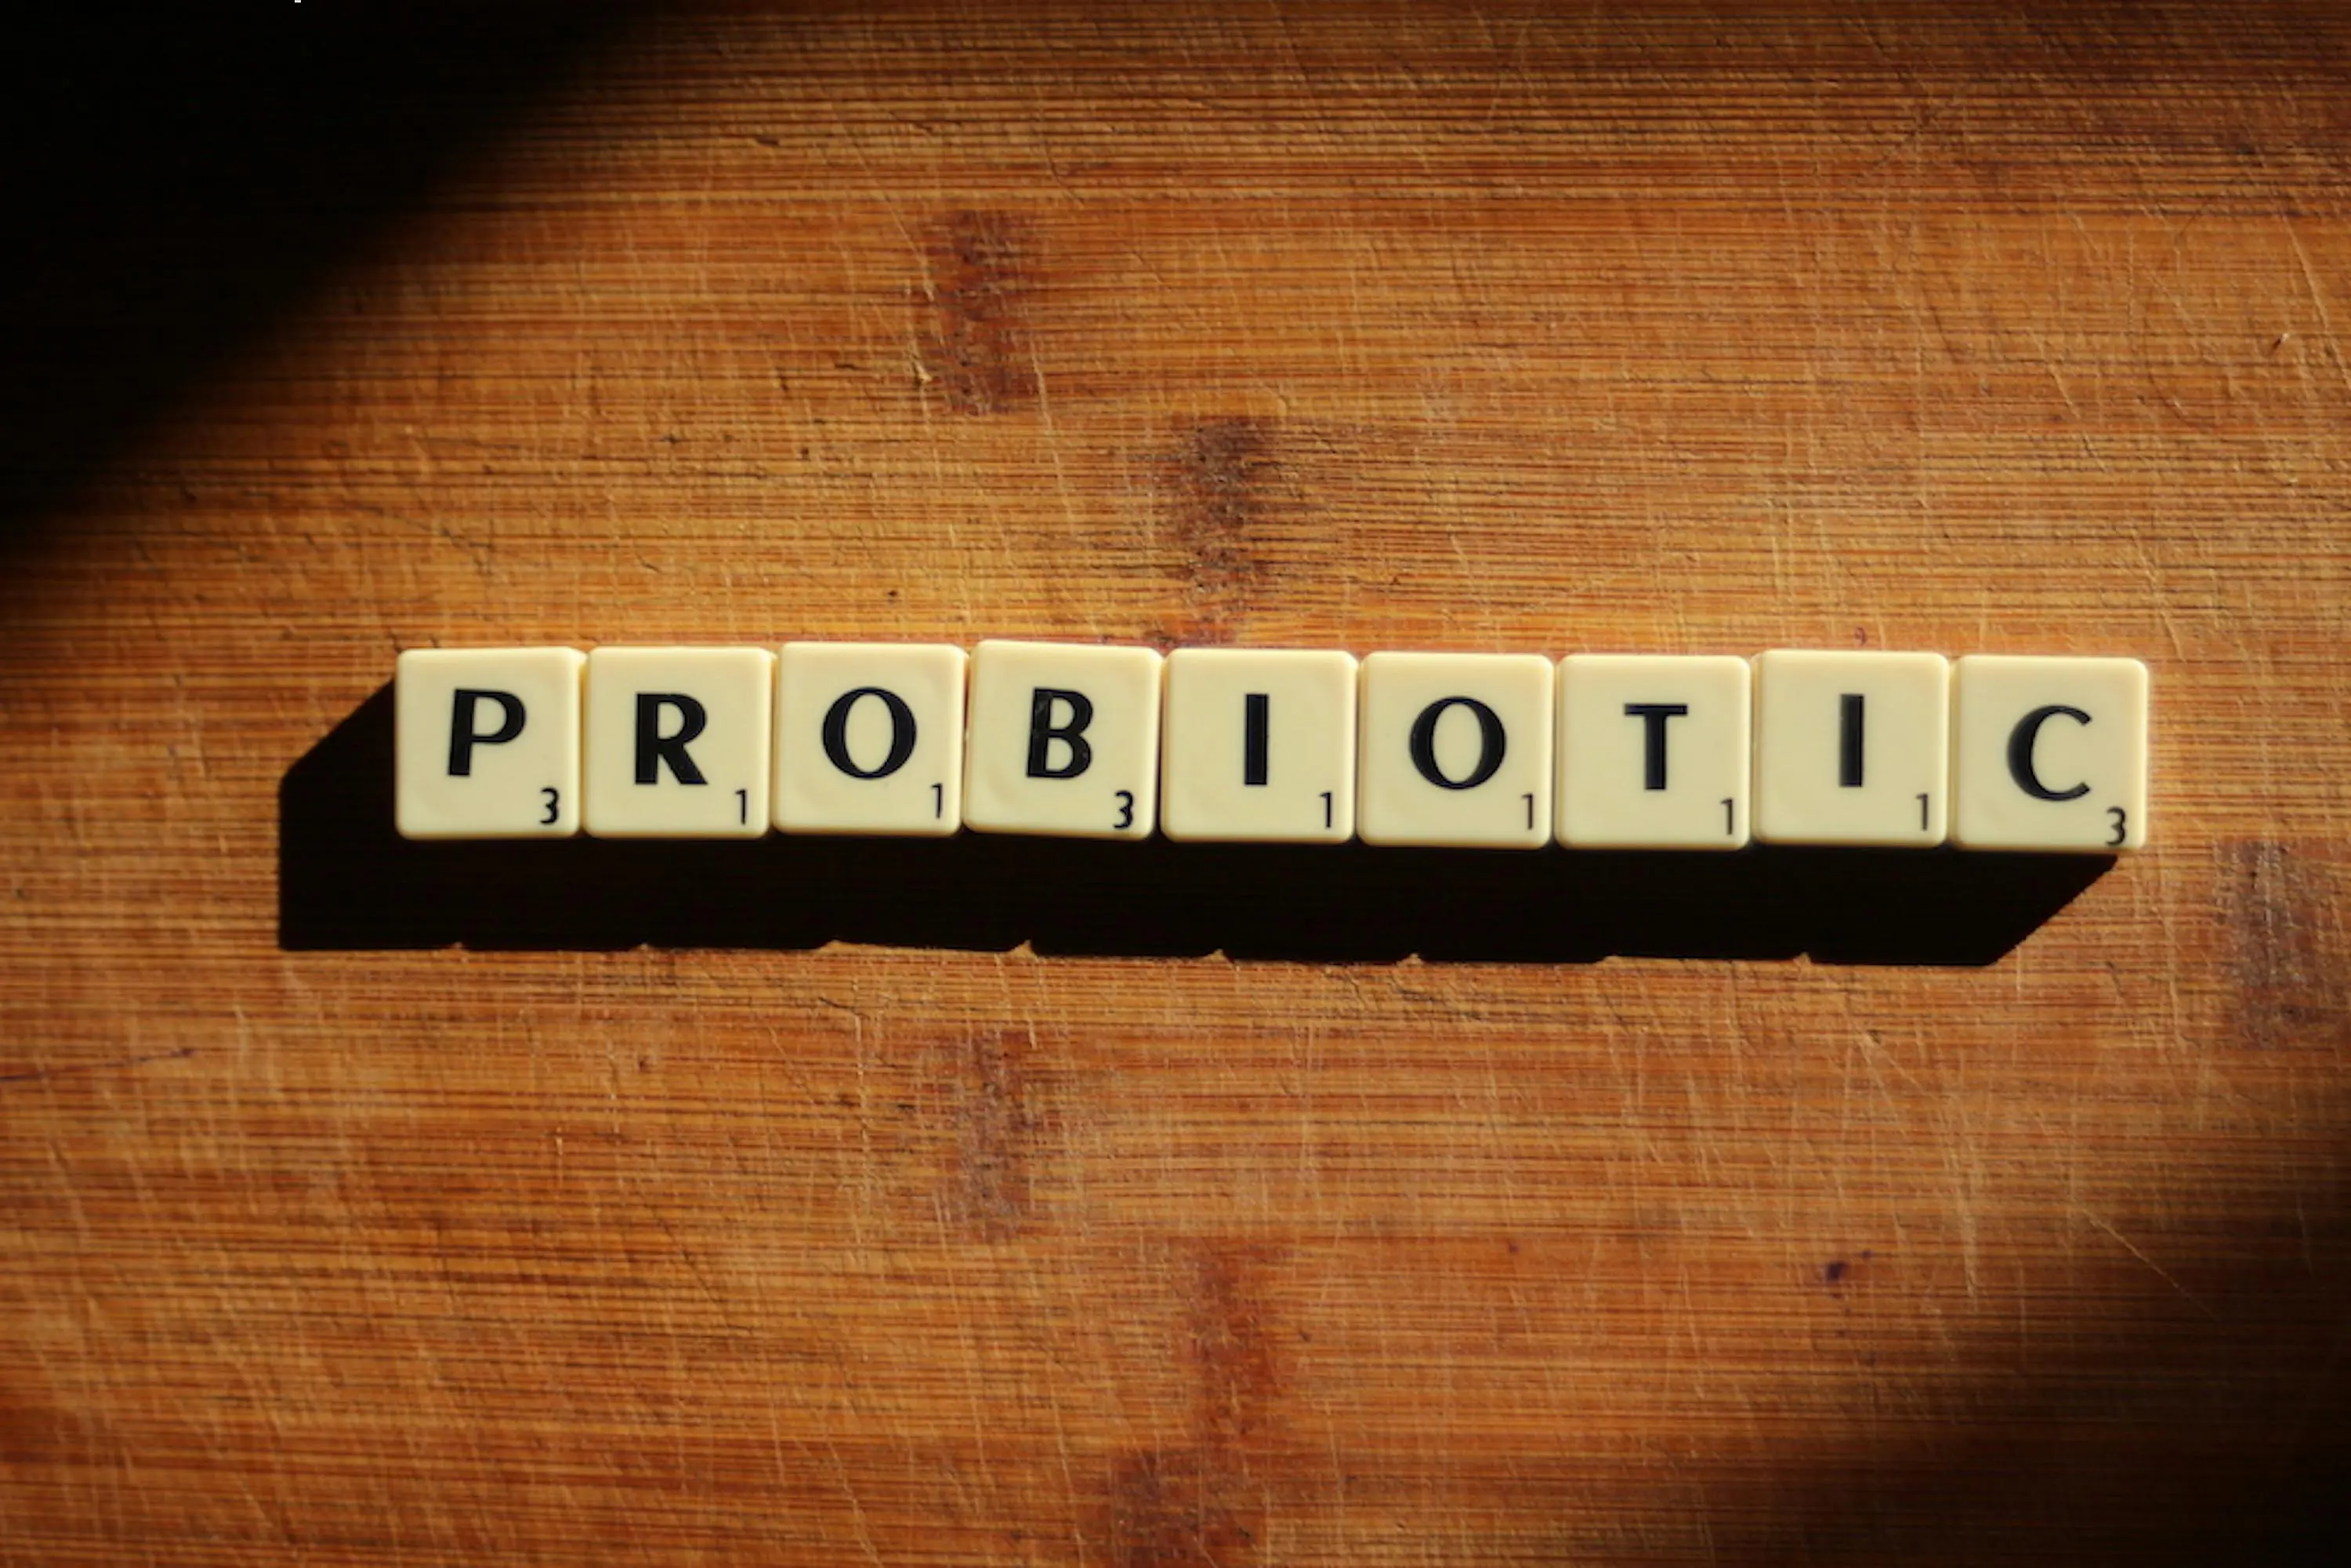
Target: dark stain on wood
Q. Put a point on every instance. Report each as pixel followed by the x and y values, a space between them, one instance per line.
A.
pixel 1166 1507
pixel 1840 1270
pixel 995 1119
pixel 2279 903
pixel 1203 1501
pixel 976 349
pixel 1219 476
pixel 1228 1347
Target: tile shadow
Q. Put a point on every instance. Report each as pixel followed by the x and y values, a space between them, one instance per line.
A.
pixel 347 882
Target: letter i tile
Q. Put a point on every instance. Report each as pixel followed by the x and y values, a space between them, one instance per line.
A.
pixel 1259 745
pixel 1851 748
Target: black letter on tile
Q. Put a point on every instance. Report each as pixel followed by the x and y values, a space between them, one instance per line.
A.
pixel 654 748
pixel 1253 738
pixel 1849 740
pixel 1652 717
pixel 1043 732
pixel 902 733
pixel 2021 741
pixel 463 738
pixel 1491 743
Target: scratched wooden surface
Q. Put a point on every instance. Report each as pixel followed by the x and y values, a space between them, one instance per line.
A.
pixel 1012 1203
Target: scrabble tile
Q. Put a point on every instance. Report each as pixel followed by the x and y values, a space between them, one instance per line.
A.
pixel 868 738
pixel 678 742
pixel 1851 748
pixel 1455 748
pixel 1062 739
pixel 2049 754
pixel 1258 744
pixel 487 743
pixel 1653 752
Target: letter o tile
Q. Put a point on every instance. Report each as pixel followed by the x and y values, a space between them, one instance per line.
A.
pixel 1454 749
pixel 868 738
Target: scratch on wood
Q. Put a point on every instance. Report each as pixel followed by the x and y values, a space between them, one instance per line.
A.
pixel 2160 1272
pixel 35 1074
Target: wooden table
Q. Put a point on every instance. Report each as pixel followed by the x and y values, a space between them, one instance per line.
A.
pixel 1015 1201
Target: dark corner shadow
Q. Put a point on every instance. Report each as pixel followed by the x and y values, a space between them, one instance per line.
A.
pixel 2196 1415
pixel 346 881
pixel 182 179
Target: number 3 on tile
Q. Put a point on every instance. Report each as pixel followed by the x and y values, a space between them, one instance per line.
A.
pixel 1125 810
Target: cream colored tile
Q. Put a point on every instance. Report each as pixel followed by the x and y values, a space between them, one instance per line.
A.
pixel 1851 748
pixel 487 743
pixel 1654 751
pixel 1454 749
pixel 868 738
pixel 1258 744
pixel 678 742
pixel 1062 739
pixel 2049 754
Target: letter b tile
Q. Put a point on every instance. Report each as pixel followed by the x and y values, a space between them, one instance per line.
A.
pixel 487 743
pixel 1062 740
pixel 678 742
pixel 2049 754
pixel 1454 749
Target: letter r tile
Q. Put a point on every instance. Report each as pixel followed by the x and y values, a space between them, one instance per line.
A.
pixel 678 742
pixel 1062 739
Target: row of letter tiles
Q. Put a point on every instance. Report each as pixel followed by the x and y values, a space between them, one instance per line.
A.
pixel 1633 751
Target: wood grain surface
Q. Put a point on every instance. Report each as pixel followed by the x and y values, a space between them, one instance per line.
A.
pixel 1012 1202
